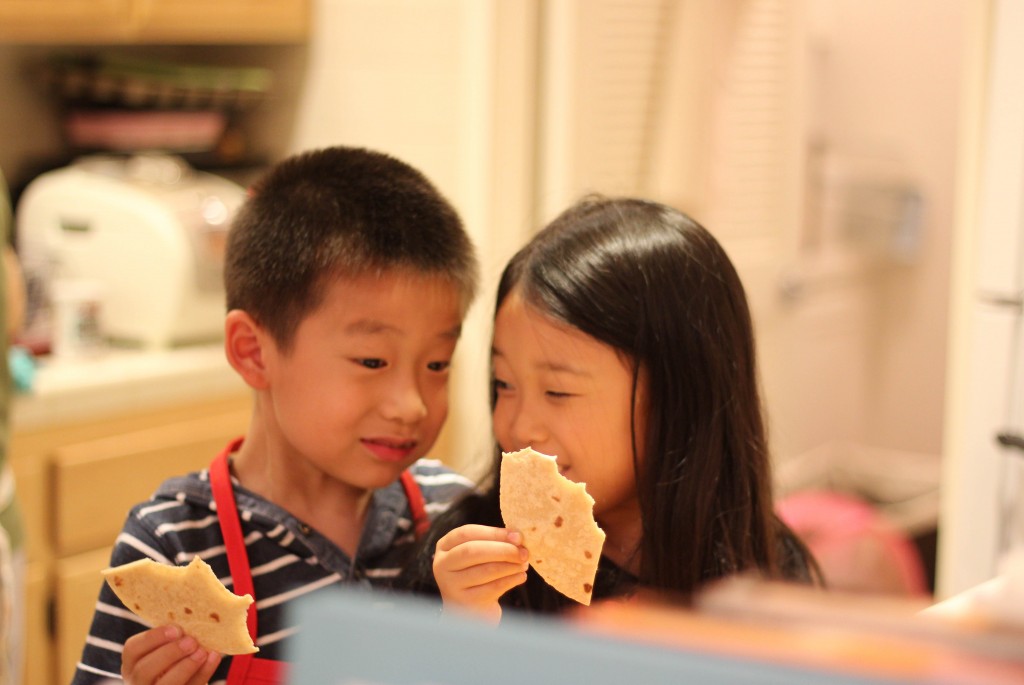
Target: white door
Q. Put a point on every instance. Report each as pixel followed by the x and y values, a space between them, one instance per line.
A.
pixel 981 476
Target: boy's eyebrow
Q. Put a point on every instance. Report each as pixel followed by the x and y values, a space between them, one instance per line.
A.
pixel 554 367
pixel 374 327
pixel 369 327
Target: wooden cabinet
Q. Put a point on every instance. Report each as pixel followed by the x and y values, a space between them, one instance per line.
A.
pixel 77 583
pixel 154 21
pixel 72 20
pixel 76 483
pixel 38 666
pixel 223 21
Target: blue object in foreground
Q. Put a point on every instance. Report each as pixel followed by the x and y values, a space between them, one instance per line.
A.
pixel 349 637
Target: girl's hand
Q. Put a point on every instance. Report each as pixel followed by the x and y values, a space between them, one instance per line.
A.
pixel 475 565
pixel 166 654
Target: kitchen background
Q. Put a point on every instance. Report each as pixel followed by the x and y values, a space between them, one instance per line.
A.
pixel 834 146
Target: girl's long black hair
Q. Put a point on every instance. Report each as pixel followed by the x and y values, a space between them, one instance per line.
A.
pixel 656 286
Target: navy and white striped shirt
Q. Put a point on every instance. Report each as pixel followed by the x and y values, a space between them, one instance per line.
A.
pixel 288 559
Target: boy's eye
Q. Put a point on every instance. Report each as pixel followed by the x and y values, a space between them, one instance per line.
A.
pixel 439 366
pixel 372 363
pixel 500 385
pixel 558 395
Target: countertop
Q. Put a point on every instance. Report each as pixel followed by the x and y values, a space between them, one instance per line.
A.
pixel 115 381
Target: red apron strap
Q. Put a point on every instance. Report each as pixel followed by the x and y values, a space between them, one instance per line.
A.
pixel 244 667
pixel 418 507
pixel 253 671
pixel 231 529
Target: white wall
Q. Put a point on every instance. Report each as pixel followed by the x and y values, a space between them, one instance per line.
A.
pixel 892 92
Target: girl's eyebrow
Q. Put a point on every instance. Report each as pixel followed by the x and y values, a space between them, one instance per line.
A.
pixel 557 367
pixel 547 365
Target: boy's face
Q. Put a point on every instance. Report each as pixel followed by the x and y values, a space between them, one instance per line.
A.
pixel 363 391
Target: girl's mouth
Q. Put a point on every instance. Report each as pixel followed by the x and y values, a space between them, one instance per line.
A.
pixel 388 449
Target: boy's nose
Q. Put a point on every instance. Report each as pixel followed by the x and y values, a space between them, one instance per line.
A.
pixel 405 403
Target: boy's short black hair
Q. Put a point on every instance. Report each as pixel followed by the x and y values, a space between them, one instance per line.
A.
pixel 338 212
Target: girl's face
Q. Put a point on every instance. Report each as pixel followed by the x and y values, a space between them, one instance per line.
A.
pixel 565 394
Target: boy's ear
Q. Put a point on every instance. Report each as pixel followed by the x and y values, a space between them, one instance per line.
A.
pixel 244 346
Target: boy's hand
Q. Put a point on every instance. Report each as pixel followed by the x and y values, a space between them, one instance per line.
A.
pixel 167 656
pixel 475 565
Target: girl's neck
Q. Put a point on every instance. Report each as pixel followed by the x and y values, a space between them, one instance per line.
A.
pixel 623 533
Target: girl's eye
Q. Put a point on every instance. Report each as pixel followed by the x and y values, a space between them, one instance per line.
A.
pixel 500 385
pixel 372 363
pixel 439 366
pixel 554 394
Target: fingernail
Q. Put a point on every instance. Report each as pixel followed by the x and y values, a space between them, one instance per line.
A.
pixel 199 655
pixel 188 644
pixel 524 554
pixel 172 632
pixel 515 537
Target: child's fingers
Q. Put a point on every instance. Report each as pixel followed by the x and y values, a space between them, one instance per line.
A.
pixel 484 598
pixel 474 532
pixel 483 574
pixel 206 663
pixel 502 585
pixel 202 677
pixel 186 670
pixel 477 552
pixel 475 565
pixel 158 654
pixel 141 645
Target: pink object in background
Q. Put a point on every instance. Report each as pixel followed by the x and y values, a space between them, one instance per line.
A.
pixel 858 549
pixel 129 131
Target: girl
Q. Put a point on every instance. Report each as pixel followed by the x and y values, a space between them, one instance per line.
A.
pixel 623 345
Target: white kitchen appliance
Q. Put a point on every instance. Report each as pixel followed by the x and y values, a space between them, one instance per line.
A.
pixel 148 228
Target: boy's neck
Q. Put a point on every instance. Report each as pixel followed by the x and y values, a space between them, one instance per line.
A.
pixel 336 510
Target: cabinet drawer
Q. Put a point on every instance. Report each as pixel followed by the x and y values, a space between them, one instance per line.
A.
pixel 97 482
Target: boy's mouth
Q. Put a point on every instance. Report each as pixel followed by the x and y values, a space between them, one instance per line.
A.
pixel 390 449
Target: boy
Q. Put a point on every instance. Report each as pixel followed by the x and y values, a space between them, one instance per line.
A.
pixel 347 278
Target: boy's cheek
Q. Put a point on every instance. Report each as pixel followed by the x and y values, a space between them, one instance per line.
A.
pixel 436 398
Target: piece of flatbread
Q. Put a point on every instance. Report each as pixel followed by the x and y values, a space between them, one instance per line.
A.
pixel 556 519
pixel 189 596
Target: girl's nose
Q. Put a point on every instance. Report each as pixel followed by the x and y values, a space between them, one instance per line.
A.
pixel 526 428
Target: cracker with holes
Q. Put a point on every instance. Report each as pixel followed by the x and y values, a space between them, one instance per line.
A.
pixel 189 596
pixel 556 519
